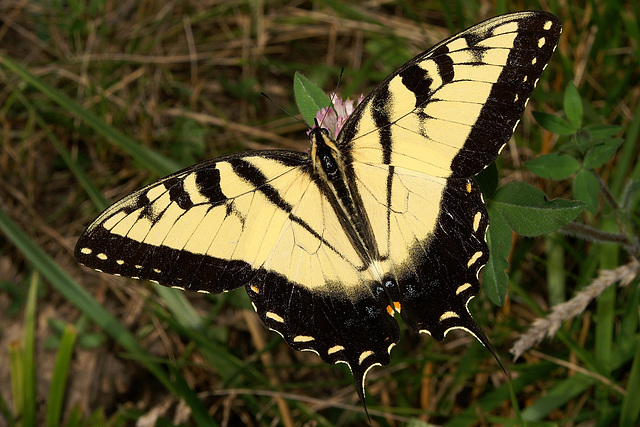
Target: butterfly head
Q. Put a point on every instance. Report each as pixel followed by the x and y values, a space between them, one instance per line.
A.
pixel 326 158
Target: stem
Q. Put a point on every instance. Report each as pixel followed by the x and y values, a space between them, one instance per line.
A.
pixel 606 193
pixel 586 232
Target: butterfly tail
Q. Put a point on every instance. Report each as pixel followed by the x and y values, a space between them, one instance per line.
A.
pixel 473 327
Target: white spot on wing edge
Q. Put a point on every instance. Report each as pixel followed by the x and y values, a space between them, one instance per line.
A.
pixel 448 315
pixel 86 251
pixel 463 288
pixel 391 347
pixel 274 316
pixel 547 25
pixel 476 221
pixel 303 338
pixel 541 42
pixel 464 329
pixel 119 262
pixel 277 331
pixel 364 355
pixel 474 258
pixel 102 256
pixel 311 350
pixel 335 349
pixel 364 376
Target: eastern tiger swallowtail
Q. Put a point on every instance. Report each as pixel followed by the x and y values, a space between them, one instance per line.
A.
pixel 385 218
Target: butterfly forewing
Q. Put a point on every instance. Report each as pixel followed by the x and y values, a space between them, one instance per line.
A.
pixel 212 226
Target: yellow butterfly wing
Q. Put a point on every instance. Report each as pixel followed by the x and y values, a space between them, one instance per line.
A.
pixel 414 145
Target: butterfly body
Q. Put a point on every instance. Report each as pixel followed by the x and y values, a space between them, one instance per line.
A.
pixel 385 219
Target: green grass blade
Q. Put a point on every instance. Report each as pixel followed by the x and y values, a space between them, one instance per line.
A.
pixel 565 390
pixel 59 380
pixel 560 394
pixel 630 413
pixel 556 277
pixel 81 177
pixel 175 300
pixel 179 306
pixel 149 158
pixel 626 158
pixel 497 397
pixel 88 305
pixel 5 411
pixel 94 194
pixel 16 368
pixel 29 409
pixel 606 318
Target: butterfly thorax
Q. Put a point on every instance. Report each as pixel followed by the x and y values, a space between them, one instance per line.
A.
pixel 329 167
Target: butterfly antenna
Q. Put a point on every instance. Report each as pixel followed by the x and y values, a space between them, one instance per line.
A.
pixel 282 109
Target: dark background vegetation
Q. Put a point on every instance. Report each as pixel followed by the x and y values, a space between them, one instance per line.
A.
pixel 183 79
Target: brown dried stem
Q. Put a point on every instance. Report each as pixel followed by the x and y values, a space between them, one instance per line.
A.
pixel 548 326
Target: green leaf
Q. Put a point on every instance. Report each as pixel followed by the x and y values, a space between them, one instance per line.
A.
pixel 573 106
pixel 554 166
pixel 494 278
pixel 603 131
pixel 586 188
pixel 530 213
pixel 309 97
pixel 488 180
pixel 554 123
pixel 601 153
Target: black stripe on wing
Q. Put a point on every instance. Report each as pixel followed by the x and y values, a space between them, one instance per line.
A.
pixel 509 95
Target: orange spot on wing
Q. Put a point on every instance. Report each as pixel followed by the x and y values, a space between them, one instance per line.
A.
pixel 255 289
pixel 397 306
pixel 468 187
pixel 390 310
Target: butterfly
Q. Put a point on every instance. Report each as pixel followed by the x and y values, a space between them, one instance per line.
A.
pixel 386 218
